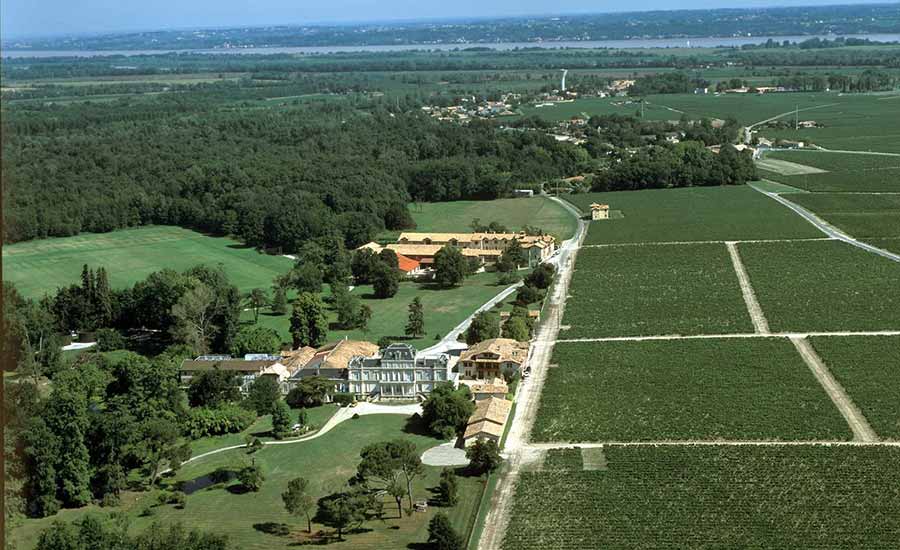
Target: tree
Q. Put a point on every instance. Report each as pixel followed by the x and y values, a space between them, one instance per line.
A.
pixel 398 491
pixel 251 477
pixel 446 410
pixel 385 280
pixel 484 326
pixel 514 255
pixel 309 392
pixel 447 488
pixel 342 510
pixel 263 394
pixel 279 300
pixel 517 329
pixel 66 416
pixel 390 463
pixel 528 295
pixel 441 535
pixel 347 306
pixel 415 325
pixel 306 277
pixel 298 500
pixel 255 339
pixel 159 437
pixel 365 315
pixel 542 277
pixel 193 314
pixel 484 456
pixel 212 388
pixel 42 453
pixel 281 419
pixel 450 266
pixel 256 300
pixel 309 324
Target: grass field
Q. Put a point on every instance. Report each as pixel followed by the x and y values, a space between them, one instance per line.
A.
pixel 684 389
pixel 444 309
pixel 129 255
pixel 823 286
pixel 654 289
pixel 515 214
pixel 712 497
pixel 868 367
pixel 836 162
pixel 328 462
pixel 692 214
pixel 859 215
pixel 786 167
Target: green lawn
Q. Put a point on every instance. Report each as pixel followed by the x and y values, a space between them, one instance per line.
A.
pixel 315 418
pixel 515 214
pixel 823 498
pixel 868 367
pixel 684 389
pixel 129 255
pixel 823 286
pixel 692 214
pixel 444 309
pixel 327 461
pixel 652 290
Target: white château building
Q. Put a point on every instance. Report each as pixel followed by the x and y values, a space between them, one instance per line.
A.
pixel 398 372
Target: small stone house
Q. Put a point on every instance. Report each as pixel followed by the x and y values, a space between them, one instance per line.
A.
pixel 488 420
pixel 599 211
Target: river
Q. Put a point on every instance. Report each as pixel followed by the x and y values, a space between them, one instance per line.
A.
pixel 708 42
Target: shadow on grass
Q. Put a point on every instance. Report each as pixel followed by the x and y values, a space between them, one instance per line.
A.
pixel 272 528
pixel 415 425
pixel 240 246
pixel 237 489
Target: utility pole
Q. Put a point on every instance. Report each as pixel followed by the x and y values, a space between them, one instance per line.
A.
pixel 797 117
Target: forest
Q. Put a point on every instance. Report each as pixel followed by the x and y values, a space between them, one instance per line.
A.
pixel 275 180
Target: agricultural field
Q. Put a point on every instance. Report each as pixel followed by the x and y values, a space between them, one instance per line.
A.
pixel 444 309
pixel 823 286
pixel 692 214
pixel 515 214
pixel 868 367
pixel 836 162
pixel 855 122
pixel 652 290
pixel 684 390
pixel 858 215
pixel 827 498
pixel 252 521
pixel 129 255
pixel 885 180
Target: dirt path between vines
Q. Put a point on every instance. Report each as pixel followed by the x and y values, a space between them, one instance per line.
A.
pixel 862 431
pixel 756 313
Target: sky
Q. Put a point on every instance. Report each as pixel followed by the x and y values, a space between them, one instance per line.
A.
pixel 54 17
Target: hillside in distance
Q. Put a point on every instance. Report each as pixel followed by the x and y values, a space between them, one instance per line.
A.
pixel 782 21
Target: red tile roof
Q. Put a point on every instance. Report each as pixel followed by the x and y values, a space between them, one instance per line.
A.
pixel 406 264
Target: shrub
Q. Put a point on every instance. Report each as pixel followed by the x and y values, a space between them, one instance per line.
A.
pixel 109 340
pixel 343 399
pixel 204 421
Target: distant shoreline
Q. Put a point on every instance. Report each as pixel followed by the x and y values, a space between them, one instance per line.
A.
pixel 637 43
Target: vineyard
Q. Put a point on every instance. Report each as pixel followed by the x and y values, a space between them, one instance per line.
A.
pixel 823 286
pixel 684 390
pixel 692 214
pixel 837 162
pixel 859 215
pixel 871 181
pixel 712 497
pixel 654 289
pixel 868 367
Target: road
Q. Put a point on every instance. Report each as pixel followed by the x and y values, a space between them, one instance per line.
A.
pixel 827 228
pixel 516 449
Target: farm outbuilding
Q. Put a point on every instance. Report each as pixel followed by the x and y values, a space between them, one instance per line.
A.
pixel 599 211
